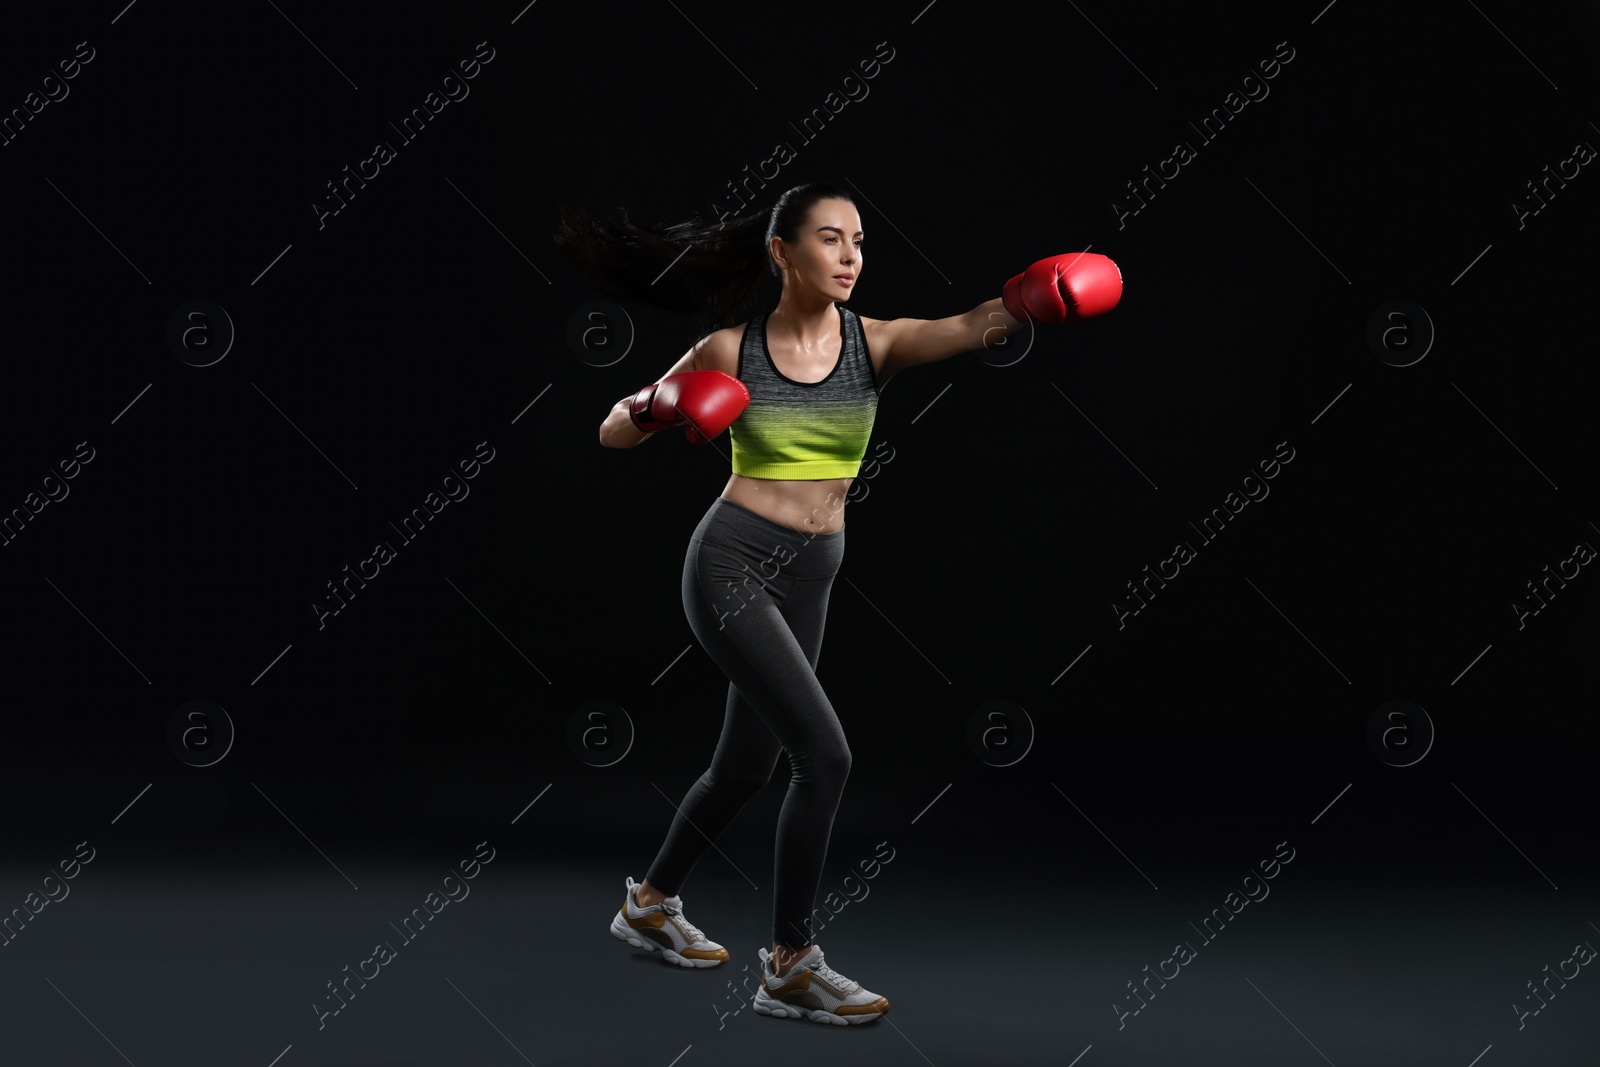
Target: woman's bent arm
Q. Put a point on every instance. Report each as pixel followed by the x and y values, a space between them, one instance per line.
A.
pixel 618 431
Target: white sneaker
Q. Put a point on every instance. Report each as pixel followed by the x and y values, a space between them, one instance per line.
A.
pixel 813 990
pixel 663 926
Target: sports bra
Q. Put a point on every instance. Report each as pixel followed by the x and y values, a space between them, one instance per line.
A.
pixel 804 430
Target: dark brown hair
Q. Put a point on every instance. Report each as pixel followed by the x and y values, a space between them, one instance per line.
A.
pixel 709 267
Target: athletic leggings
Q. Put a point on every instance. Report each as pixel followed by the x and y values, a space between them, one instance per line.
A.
pixel 756 593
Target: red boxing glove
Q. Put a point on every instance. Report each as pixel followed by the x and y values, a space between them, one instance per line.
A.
pixel 1074 285
pixel 707 400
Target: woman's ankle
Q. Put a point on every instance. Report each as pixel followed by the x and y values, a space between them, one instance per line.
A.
pixel 784 958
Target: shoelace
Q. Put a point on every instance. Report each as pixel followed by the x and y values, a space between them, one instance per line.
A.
pixel 833 977
pixel 674 908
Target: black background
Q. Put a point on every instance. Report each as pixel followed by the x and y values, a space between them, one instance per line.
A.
pixel 378 348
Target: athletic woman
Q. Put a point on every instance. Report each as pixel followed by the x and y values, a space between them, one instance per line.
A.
pixel 797 389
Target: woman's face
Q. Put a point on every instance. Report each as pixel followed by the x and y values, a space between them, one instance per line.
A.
pixel 828 246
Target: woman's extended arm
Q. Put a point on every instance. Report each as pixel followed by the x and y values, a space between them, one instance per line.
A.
pixel 1074 285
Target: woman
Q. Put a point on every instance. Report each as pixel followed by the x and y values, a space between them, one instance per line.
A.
pixel 797 389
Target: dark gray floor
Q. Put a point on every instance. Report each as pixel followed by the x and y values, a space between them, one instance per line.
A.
pixel 156 959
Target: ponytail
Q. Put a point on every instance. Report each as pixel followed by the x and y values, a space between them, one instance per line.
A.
pixel 712 268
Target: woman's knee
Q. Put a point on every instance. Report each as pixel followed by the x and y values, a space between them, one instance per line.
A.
pixel 741 777
pixel 829 763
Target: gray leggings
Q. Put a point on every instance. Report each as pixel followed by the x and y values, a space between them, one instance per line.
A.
pixel 756 594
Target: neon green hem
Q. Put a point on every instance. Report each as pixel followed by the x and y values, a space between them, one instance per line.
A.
pixel 806 470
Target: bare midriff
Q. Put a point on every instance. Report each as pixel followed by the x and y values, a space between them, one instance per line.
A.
pixel 808 506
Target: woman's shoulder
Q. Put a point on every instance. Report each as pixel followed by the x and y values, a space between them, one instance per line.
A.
pixel 719 350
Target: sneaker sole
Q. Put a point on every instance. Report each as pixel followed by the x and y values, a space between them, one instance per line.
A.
pixel 623 932
pixel 777 1009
